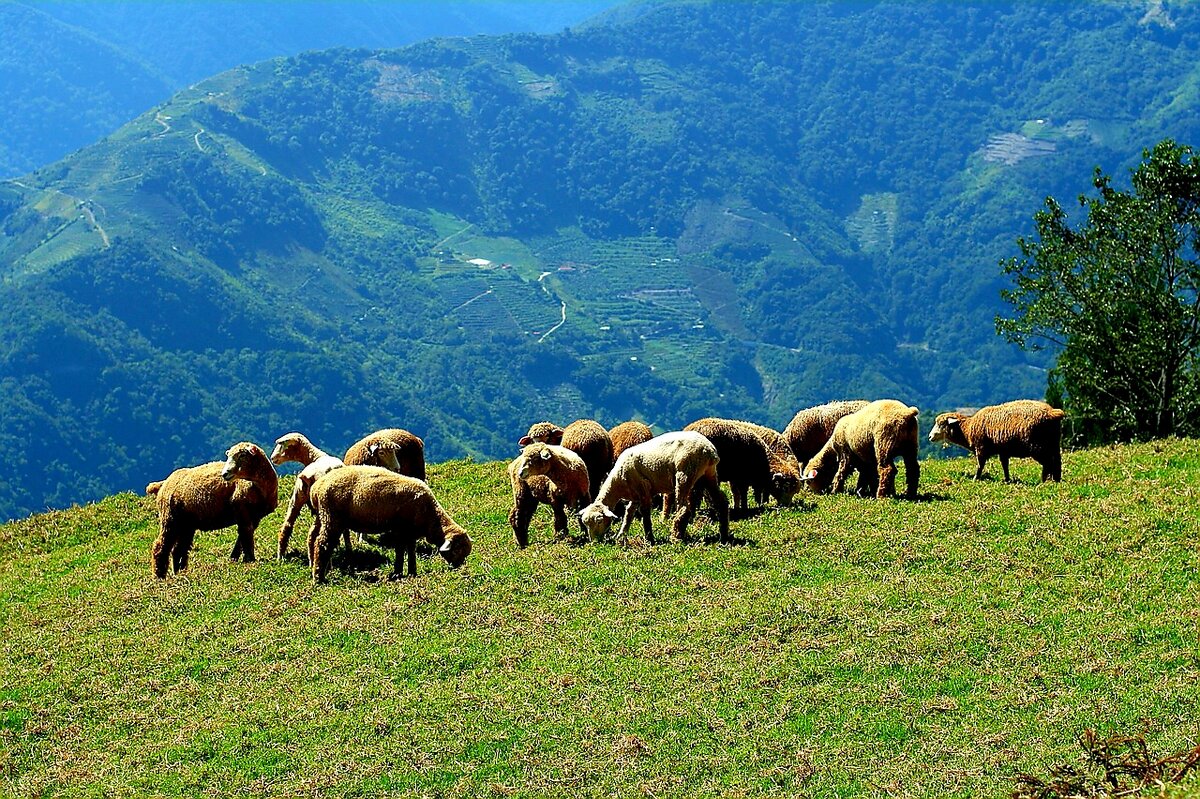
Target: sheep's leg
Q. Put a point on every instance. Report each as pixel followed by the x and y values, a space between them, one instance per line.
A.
pixel 912 475
pixel 523 508
pixel 160 553
pixel 244 544
pixel 406 548
pixel 887 480
pixel 716 499
pixel 322 549
pixel 647 529
pixel 346 539
pixel 981 459
pixel 183 547
pixel 560 519
pixel 739 491
pixel 1004 466
pixel 631 510
pixel 295 504
pixel 313 535
pixel 839 477
pixel 687 509
pixel 1052 467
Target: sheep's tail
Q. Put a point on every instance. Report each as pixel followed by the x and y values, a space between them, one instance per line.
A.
pixel 152 489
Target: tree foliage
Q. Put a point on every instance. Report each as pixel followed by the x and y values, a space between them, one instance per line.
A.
pixel 1119 293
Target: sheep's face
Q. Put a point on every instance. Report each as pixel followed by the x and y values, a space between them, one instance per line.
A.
pixel 948 429
pixel 456 548
pixel 784 487
pixel 286 449
pixel 239 461
pixel 597 519
pixel 535 459
pixel 818 474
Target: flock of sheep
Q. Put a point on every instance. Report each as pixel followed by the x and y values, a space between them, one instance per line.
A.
pixel 601 475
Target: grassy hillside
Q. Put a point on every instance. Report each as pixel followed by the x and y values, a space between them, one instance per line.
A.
pixel 846 648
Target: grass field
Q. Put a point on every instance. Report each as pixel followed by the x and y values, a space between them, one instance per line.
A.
pixel 845 648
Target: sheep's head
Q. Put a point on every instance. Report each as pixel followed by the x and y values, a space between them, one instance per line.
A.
pixel 817 475
pixel 597 519
pixel 456 548
pixel 288 448
pixel 544 433
pixel 240 461
pixel 535 459
pixel 947 428
pixel 784 487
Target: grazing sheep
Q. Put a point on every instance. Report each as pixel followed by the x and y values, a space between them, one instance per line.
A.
pixel 394 449
pixel 785 468
pixel 811 428
pixel 586 438
pixel 240 490
pixel 869 440
pixel 744 460
pixel 628 434
pixel 296 447
pixel 1018 429
pixel 377 501
pixel 549 474
pixel 682 464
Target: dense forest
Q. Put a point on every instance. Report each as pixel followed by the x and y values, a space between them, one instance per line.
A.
pixel 686 209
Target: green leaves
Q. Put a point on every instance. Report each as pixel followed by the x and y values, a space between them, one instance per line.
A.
pixel 1120 295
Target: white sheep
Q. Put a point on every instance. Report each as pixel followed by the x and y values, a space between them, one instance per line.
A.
pixel 295 447
pixel 869 440
pixel 682 465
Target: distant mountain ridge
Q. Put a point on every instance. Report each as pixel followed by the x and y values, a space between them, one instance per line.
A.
pixel 700 209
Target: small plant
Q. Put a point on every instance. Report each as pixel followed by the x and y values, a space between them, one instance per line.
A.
pixel 1115 766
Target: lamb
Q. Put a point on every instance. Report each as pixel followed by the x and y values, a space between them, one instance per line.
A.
pixel 869 440
pixel 682 464
pixel 549 474
pixel 1018 429
pixel 377 501
pixel 586 438
pixel 628 434
pixel 393 448
pixel 811 428
pixel 296 447
pixel 241 490
pixel 785 468
pixel 744 460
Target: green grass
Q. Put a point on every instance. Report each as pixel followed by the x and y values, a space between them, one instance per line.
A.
pixel 846 648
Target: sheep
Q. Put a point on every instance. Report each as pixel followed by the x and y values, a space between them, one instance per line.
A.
pixel 628 434
pixel 811 428
pixel 785 468
pixel 1018 429
pixel 869 440
pixel 586 438
pixel 744 460
pixel 241 490
pixel 393 448
pixel 682 464
pixel 296 447
pixel 549 474
pixel 377 501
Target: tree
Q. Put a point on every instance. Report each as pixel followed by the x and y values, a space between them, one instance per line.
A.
pixel 1120 295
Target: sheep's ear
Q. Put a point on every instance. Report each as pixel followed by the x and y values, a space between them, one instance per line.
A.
pixel 555 438
pixel 953 420
pixel 610 514
pixel 373 448
pixel 525 441
pixel 777 476
pixel 545 454
pixel 811 474
pixel 445 547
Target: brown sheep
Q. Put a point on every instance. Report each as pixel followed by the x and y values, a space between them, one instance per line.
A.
pixel 869 440
pixel 546 474
pixel 683 465
pixel 586 438
pixel 786 470
pixel 393 448
pixel 628 434
pixel 745 463
pixel 296 447
pixel 241 490
pixel 811 428
pixel 1018 429
pixel 377 501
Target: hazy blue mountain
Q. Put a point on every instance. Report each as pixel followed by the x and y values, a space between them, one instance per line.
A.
pixel 71 72
pixel 685 209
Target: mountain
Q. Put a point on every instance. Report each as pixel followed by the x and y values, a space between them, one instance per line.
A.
pixel 71 72
pixel 62 88
pixel 688 209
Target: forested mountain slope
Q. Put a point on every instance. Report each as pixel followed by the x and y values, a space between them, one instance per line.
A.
pixel 71 72
pixel 692 209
